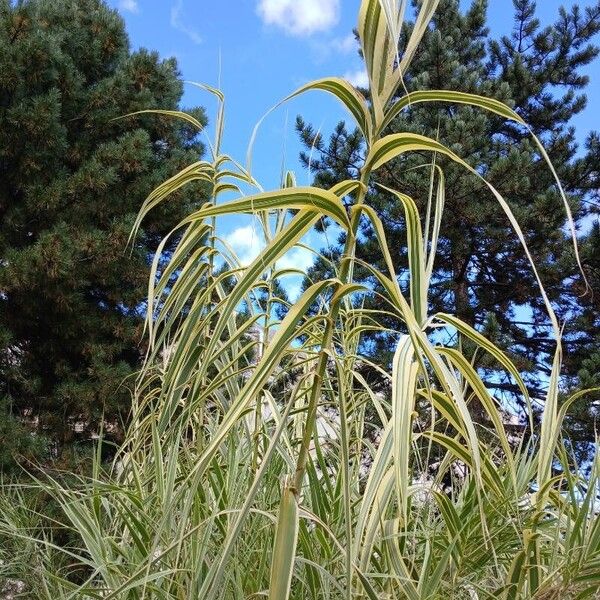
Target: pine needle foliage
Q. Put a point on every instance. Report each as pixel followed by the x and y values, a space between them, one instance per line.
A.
pixel 72 178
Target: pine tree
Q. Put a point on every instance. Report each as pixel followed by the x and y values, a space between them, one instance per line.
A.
pixel 73 175
pixel 582 364
pixel 481 272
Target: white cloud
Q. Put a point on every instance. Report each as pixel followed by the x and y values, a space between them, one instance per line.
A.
pixel 300 17
pixel 344 45
pixel 178 22
pixel 247 242
pixel 298 258
pixel 129 5
pixel 324 49
pixel 357 78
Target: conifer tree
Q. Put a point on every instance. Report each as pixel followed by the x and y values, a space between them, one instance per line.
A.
pixel 481 273
pixel 73 175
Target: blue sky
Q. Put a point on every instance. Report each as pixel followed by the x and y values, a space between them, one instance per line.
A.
pixel 266 49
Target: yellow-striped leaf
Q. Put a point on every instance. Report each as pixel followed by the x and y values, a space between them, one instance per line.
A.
pixel 311 198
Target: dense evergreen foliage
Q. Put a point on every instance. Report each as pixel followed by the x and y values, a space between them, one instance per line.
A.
pixel 481 272
pixel 72 179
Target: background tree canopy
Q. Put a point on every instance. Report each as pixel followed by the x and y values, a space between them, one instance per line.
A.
pixel 481 273
pixel 72 180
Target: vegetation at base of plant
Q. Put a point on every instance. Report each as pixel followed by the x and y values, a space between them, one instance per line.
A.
pixel 251 469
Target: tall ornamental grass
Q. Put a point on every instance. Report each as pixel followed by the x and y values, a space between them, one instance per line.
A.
pixel 261 463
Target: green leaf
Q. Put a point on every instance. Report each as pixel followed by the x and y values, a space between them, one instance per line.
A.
pixel 426 11
pixel 489 347
pixel 318 200
pixel 405 369
pixel 391 146
pixel 379 52
pixel 489 104
pixel 284 550
pixel 286 333
pixel 347 94
pixel 177 114
pixel 472 377
pixel 416 258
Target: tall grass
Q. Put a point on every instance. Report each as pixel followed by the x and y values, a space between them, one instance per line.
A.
pixel 260 462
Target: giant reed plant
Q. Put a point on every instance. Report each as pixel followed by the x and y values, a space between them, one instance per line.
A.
pixel 227 486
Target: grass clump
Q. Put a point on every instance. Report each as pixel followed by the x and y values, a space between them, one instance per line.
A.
pixel 253 466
